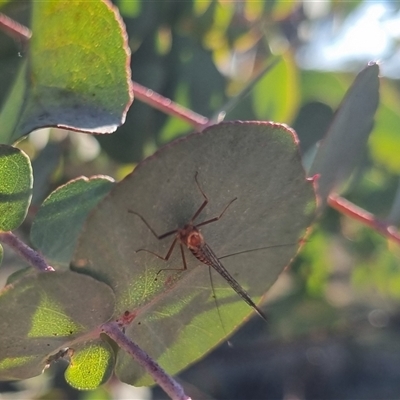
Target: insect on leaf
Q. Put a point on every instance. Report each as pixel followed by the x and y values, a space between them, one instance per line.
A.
pixel 176 320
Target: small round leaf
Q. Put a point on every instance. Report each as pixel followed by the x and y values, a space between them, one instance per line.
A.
pixel 44 313
pixel 91 365
pixel 16 181
pixel 59 220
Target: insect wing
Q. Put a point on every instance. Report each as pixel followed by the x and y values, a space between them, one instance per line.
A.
pixel 207 256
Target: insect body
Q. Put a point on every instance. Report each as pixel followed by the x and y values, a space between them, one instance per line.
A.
pixel 191 237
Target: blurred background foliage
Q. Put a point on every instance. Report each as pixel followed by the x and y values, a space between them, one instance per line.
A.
pixel 334 315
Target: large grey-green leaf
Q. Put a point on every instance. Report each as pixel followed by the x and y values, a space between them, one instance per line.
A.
pixel 175 318
pixel 347 136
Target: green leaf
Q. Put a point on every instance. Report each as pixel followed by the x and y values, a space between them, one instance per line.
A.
pixel 59 220
pixel 41 315
pixel 15 187
pixel 176 320
pixel 347 136
pixel 275 97
pixel 91 365
pixel 73 78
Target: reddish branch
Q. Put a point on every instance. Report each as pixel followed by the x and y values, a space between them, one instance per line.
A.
pixel 347 208
pixel 14 29
pixel 163 104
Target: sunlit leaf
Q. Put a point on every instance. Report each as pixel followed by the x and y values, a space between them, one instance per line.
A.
pixel 44 313
pixel 91 365
pixel 73 78
pixel 16 183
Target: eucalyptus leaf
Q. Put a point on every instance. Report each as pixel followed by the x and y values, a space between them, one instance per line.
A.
pixel 347 136
pixel 175 316
pixel 54 88
pixel 16 181
pixel 42 314
pixel 92 364
pixel 58 221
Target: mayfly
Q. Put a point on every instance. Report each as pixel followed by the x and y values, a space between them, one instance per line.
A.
pixel 191 237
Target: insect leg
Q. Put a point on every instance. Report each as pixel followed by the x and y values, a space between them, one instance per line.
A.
pixel 183 260
pixel 197 213
pixel 205 202
pixel 219 216
pixel 159 237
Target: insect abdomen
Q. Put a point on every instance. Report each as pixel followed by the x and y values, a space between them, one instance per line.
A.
pixel 200 256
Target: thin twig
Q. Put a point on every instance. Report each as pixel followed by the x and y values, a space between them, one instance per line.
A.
pixel 167 106
pixel 14 29
pixel 166 382
pixel 30 255
pixel 347 208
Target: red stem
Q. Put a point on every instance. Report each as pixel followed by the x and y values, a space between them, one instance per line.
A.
pixel 14 29
pixel 167 106
pixel 347 208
